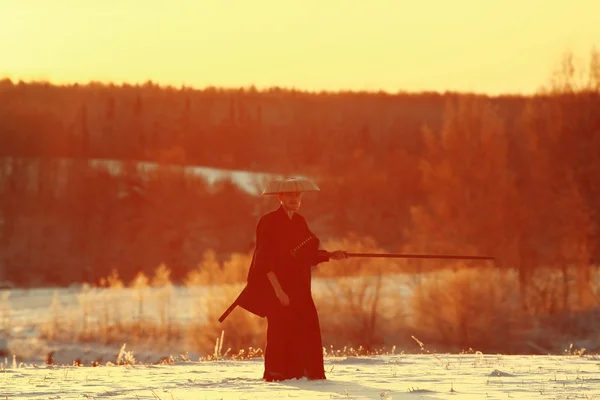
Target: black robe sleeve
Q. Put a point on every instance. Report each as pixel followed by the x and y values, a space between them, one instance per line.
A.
pixel 265 252
pixel 321 257
pixel 258 297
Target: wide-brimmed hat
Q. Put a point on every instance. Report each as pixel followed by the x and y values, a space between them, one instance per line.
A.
pixel 291 185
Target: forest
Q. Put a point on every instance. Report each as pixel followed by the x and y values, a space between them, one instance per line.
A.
pixel 511 176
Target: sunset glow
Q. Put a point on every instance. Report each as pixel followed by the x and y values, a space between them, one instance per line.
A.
pixel 467 45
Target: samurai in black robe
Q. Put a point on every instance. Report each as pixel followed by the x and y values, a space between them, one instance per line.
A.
pixel 287 249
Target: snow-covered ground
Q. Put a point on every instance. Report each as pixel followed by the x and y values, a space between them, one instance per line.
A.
pixel 24 373
pixel 470 376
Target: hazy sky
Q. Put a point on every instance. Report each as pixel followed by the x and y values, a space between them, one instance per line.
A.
pixel 477 45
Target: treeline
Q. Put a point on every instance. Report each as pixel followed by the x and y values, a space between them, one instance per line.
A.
pixel 276 130
pixel 511 176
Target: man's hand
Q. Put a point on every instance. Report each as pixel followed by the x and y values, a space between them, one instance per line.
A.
pixel 283 298
pixel 281 295
pixel 338 255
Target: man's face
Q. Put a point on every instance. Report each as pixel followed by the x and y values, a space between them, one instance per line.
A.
pixel 291 201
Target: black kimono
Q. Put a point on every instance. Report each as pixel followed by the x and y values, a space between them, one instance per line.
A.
pixel 287 247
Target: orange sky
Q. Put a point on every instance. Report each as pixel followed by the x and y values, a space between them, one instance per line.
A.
pixel 466 45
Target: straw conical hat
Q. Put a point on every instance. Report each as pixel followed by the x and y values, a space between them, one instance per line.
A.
pixel 291 185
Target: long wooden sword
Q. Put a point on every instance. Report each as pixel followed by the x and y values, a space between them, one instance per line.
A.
pixel 430 256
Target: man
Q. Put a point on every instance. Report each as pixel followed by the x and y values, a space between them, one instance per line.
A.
pixel 279 285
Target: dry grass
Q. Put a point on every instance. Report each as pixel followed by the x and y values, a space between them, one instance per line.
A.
pixel 5 313
pixel 361 301
pixel 484 310
pixel 245 332
pixel 116 313
pixel 365 306
pixel 469 309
